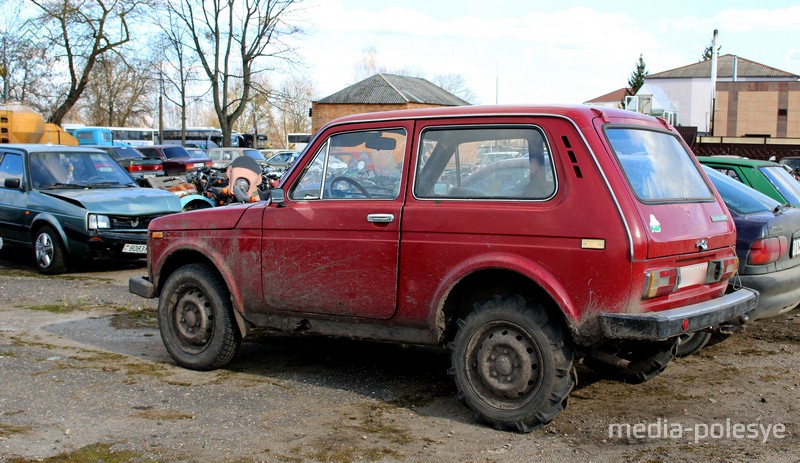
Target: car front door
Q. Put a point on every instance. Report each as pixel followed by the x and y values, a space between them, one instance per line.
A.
pixel 13 199
pixel 333 247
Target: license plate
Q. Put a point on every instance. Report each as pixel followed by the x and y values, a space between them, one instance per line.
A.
pixel 148 175
pixel 693 274
pixel 198 165
pixel 796 247
pixel 135 248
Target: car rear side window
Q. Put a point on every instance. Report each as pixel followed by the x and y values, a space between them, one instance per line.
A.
pixel 484 163
pixel 784 183
pixel 657 166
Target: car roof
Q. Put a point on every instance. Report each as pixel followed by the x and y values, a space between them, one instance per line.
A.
pixel 46 148
pixel 736 161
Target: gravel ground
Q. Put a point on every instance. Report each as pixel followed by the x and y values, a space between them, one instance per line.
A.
pixel 86 378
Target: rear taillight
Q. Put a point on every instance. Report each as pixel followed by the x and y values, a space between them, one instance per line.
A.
pixel 767 250
pixel 722 269
pixel 140 168
pixel 660 282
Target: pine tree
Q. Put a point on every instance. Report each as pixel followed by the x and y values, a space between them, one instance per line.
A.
pixel 636 80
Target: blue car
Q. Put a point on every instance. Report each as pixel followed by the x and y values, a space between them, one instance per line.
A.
pixel 70 203
pixel 768 247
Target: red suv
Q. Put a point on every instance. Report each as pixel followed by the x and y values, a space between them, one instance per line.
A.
pixel 598 237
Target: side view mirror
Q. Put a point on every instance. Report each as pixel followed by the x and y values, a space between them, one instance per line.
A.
pixel 278 197
pixel 13 182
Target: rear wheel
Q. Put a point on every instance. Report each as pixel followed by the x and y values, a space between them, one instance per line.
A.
pixel 195 317
pixel 691 343
pixel 49 251
pixel 511 364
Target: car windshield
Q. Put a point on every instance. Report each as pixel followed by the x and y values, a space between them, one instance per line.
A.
pixel 56 169
pixel 784 183
pixel 657 166
pixel 739 197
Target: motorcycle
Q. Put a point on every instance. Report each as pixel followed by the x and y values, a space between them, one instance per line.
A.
pixel 244 180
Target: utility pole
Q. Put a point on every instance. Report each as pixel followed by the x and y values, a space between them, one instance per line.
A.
pixel 710 119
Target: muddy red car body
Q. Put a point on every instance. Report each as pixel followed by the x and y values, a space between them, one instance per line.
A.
pixel 609 245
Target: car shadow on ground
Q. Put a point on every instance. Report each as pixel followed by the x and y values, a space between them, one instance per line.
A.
pixel 21 258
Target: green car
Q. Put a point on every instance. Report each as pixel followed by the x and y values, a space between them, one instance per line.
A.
pixel 767 177
pixel 70 203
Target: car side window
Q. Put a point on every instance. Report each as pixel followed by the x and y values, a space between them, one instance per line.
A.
pixel 485 163
pixel 10 167
pixel 730 173
pixel 355 165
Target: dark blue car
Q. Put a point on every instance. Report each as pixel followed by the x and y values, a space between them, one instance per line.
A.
pixel 768 247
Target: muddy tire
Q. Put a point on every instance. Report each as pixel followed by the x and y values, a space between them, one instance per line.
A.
pixel 49 251
pixel 692 343
pixel 511 365
pixel 646 361
pixel 195 318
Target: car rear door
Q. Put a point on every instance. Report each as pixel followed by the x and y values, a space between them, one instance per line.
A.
pixel 13 201
pixel 333 248
pixel 679 209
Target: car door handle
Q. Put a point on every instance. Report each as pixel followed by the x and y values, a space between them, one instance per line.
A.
pixel 380 218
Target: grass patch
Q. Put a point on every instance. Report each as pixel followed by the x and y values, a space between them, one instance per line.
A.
pixel 163 415
pixel 89 454
pixel 10 272
pixel 133 319
pixel 7 429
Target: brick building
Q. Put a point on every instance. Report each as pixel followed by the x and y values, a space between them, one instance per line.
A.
pixel 381 92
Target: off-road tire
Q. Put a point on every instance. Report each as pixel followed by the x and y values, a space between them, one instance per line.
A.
pixel 195 318
pixel 692 343
pixel 511 365
pixel 49 251
pixel 647 360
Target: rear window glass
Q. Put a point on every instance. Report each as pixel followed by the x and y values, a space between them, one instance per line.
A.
pixel 784 183
pixel 657 166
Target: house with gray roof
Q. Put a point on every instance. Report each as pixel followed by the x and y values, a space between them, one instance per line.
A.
pixel 751 98
pixel 381 92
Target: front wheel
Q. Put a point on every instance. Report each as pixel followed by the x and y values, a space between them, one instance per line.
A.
pixel 50 255
pixel 195 318
pixel 511 364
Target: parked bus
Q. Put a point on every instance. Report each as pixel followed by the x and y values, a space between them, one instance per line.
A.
pixel 297 141
pixel 199 137
pixel 107 136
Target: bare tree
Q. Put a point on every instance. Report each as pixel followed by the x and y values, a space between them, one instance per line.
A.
pixel 233 39
pixel 79 32
pixel 25 68
pixel 457 85
pixel 291 102
pixel 118 93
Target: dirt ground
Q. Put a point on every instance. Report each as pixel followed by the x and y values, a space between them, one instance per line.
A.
pixel 84 377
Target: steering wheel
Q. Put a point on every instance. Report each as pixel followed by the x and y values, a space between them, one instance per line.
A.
pixel 349 180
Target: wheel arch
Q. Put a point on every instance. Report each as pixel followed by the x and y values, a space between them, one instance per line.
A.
pixel 43 220
pixel 485 282
pixel 180 258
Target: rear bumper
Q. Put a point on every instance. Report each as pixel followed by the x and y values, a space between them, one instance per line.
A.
pixel 778 292
pixel 659 326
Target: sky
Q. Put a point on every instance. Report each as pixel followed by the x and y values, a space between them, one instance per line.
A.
pixel 529 51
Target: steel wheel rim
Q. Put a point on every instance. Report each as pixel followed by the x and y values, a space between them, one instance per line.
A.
pixel 504 366
pixel 193 320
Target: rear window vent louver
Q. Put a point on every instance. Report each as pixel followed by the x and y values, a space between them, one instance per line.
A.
pixel 575 167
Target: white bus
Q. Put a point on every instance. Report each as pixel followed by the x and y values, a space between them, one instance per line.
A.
pixel 133 136
pixel 199 137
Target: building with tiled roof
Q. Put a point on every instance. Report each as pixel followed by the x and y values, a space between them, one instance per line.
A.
pixel 751 98
pixel 609 100
pixel 381 92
